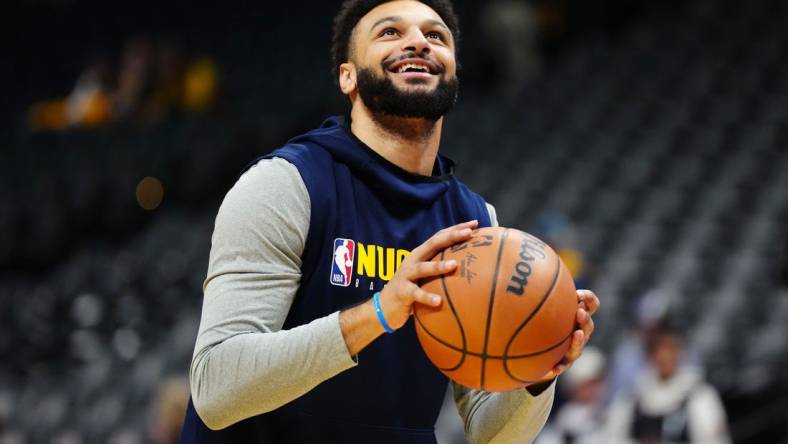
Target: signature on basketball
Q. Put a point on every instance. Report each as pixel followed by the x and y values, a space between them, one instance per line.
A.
pixel 530 249
pixel 465 267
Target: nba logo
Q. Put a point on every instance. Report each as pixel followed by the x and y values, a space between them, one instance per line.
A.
pixel 342 266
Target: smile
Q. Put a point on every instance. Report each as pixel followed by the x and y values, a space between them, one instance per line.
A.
pixel 414 66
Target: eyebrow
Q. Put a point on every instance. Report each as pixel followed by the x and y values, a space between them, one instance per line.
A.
pixel 439 23
pixel 393 18
pixel 396 18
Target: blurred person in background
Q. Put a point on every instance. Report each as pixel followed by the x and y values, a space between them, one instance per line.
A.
pixel 510 30
pixel 7 434
pixel 200 85
pixel 152 84
pixel 295 347
pixel 580 419
pixel 167 84
pixel 167 410
pixel 556 229
pixel 88 105
pixel 135 78
pixel 630 356
pixel 671 403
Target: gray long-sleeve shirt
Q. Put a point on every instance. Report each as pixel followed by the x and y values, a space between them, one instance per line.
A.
pixel 244 364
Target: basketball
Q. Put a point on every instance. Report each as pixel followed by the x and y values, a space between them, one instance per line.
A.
pixel 508 311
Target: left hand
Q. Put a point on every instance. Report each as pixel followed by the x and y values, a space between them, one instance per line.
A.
pixel 587 305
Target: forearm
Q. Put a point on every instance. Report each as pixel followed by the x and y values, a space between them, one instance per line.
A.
pixel 360 326
pixel 511 417
pixel 253 373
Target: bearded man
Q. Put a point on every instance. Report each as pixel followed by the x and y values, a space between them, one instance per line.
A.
pixel 317 253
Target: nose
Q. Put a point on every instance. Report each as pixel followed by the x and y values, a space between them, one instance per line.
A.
pixel 416 42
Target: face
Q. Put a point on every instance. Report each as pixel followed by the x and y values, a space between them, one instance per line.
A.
pixel 402 62
pixel 666 355
pixel 589 392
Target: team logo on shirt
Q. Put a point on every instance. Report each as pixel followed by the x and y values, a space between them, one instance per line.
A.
pixel 372 263
pixel 342 268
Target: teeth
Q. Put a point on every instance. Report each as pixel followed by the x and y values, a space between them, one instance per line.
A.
pixel 407 66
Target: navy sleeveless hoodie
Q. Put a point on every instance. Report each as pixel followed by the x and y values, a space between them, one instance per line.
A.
pixel 366 215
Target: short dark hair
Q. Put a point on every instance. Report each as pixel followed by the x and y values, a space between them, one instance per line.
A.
pixel 351 12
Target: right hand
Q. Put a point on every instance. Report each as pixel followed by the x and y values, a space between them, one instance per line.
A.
pixel 402 291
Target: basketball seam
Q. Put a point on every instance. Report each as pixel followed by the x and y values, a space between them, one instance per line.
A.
pixel 504 235
pixel 489 356
pixel 456 317
pixel 459 324
pixel 552 347
pixel 546 296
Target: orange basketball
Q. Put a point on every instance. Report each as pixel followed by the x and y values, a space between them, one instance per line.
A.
pixel 507 315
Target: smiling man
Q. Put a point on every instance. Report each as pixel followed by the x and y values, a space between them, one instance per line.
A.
pixel 318 249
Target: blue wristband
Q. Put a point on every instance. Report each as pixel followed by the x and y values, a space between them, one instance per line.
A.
pixel 376 301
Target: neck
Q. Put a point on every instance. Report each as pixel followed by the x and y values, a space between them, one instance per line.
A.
pixel 411 144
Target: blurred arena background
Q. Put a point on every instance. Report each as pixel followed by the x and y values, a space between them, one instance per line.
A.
pixel 646 140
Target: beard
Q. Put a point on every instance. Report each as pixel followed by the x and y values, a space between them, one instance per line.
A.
pixel 381 97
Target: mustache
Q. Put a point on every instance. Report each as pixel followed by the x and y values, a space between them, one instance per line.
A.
pixel 412 55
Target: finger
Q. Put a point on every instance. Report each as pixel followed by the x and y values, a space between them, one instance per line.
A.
pixel 581 316
pixel 560 368
pixel 441 240
pixel 574 352
pixel 433 268
pixel 588 328
pixel 585 322
pixel 469 224
pixel 589 299
pixel 576 349
pixel 421 296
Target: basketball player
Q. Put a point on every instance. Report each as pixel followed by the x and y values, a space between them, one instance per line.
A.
pixel 293 349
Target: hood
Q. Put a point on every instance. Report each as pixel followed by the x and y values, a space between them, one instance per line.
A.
pixel 395 183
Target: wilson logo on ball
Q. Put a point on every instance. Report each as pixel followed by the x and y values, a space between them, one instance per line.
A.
pixel 530 249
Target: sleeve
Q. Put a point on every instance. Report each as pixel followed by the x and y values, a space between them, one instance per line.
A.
pixel 707 419
pixel 493 215
pixel 244 364
pixel 511 417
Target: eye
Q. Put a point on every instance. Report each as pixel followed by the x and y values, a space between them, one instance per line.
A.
pixel 434 35
pixel 389 32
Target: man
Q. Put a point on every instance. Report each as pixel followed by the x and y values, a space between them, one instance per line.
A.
pixel 671 402
pixel 291 348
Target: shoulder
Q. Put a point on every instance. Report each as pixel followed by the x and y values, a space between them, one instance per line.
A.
pixel 270 190
pixel 271 176
pixel 302 155
pixel 704 395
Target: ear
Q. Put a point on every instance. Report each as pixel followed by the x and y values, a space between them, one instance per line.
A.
pixel 347 78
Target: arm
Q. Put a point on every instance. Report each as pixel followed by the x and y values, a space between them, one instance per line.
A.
pixel 511 417
pixel 244 364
